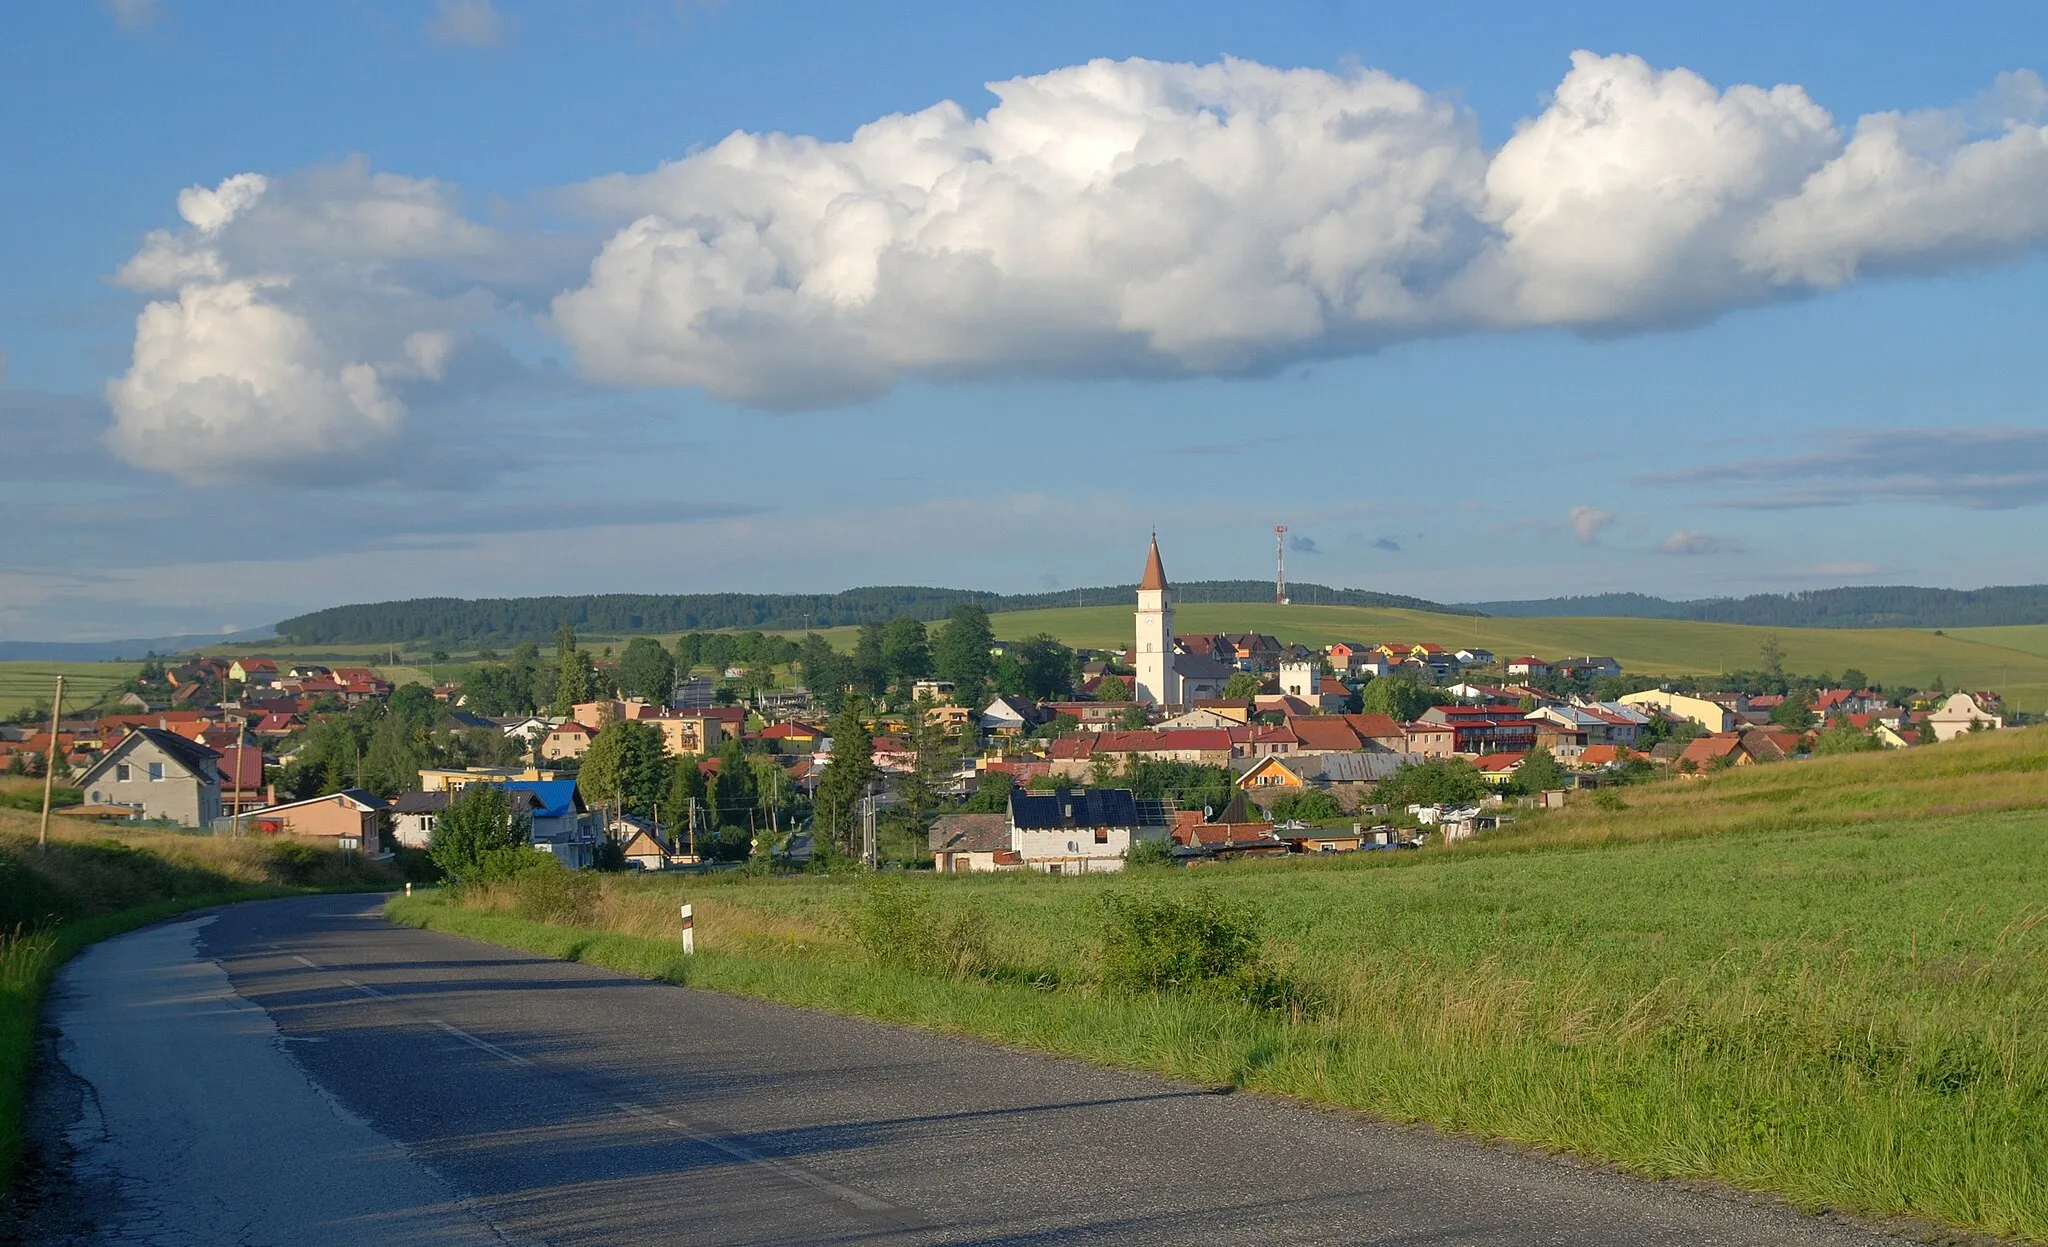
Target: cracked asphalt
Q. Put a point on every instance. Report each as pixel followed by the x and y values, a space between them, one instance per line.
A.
pixel 302 1072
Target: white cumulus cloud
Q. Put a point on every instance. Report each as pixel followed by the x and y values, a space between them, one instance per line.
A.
pixel 289 314
pixel 1690 541
pixel 1118 218
pixel 1141 218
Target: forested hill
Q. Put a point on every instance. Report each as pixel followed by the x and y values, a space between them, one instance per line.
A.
pixel 1875 606
pixel 456 620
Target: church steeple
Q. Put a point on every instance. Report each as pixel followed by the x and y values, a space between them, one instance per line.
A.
pixel 1157 683
pixel 1155 571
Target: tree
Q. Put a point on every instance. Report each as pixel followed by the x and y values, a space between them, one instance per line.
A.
pixel 961 654
pixel 1113 688
pixel 647 671
pixel 478 831
pixel 1796 711
pixel 1243 686
pixel 626 767
pixel 825 672
pixel 1401 699
pixel 1843 737
pixel 735 795
pixel 1539 772
pixel 494 690
pixel 689 652
pixel 846 780
pixel 870 662
pixel 906 652
pixel 572 681
pixel 1312 806
pixel 1853 678
pixel 1772 653
pixel 1439 781
pixel 1134 719
pixel 1046 665
pixel 565 640
pixel 991 794
pixel 394 756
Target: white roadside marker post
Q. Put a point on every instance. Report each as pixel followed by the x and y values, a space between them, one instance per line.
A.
pixel 689 932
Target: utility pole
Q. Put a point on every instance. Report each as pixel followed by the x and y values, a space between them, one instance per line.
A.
pixel 868 850
pixel 1279 564
pixel 50 767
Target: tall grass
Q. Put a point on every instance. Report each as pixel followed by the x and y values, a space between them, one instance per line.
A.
pixel 1850 1010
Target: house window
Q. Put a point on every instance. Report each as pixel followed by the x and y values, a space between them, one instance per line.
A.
pixel 120 772
pixel 348 842
pixel 1102 835
pixel 156 770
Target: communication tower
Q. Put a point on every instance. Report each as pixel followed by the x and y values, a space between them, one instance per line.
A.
pixel 1280 564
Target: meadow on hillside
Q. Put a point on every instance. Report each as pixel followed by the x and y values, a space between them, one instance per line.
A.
pixel 1823 979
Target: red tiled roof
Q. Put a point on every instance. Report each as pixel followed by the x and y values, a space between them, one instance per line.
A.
pixel 1155 572
pixel 1374 726
pixel 1495 762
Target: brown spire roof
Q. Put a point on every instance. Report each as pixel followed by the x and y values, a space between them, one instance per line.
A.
pixel 1155 574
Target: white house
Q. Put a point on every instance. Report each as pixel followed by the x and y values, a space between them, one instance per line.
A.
pixel 1301 677
pixel 1476 657
pixel 1084 831
pixel 1959 714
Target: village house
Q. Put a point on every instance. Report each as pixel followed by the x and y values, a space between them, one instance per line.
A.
pixel 1528 666
pixel 1961 714
pixel 972 843
pixel 1713 715
pixel 1347 776
pixel 350 819
pixel 157 774
pixel 1084 831
pixel 567 742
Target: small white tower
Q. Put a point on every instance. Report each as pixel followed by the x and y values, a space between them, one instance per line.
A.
pixel 1158 683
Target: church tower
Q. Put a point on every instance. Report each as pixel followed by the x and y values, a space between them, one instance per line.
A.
pixel 1158 684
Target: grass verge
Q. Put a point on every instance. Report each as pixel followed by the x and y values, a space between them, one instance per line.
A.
pixel 1825 981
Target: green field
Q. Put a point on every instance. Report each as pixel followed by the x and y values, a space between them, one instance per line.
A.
pixel 1991 658
pixel 1827 980
pixel 24 684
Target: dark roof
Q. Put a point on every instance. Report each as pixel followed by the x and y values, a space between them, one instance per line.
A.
pixel 1200 667
pixel 1086 807
pixel 189 754
pixel 420 802
pixel 970 833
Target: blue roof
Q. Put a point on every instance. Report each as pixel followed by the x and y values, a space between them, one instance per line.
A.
pixel 557 797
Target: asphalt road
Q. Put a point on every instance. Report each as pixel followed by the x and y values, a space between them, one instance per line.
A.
pixel 301 1072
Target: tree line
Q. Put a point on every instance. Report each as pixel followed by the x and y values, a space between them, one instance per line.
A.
pixel 503 620
pixel 1861 606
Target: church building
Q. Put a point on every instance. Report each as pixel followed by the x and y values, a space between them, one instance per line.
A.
pixel 1167 674
pixel 1158 683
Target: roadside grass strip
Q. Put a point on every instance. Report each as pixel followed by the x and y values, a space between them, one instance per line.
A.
pixel 1853 1018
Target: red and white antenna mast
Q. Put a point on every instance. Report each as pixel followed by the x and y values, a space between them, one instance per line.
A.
pixel 1280 564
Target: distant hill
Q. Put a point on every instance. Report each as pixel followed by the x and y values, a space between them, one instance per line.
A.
pixel 109 651
pixel 1872 606
pixel 456 620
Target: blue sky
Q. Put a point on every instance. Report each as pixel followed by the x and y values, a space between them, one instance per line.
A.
pixel 1738 301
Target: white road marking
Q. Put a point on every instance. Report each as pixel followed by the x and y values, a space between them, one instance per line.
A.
pixel 859 1199
pixel 304 962
pixel 482 1044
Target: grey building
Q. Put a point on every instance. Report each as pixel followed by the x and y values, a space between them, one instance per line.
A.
pixel 158 774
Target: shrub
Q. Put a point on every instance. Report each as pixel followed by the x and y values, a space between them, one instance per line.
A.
pixel 1608 799
pixel 1149 853
pixel 896 925
pixel 1152 942
pixel 551 893
pixel 1313 806
pixel 292 863
pixel 476 833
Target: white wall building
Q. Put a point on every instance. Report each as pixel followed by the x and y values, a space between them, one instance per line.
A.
pixel 1157 684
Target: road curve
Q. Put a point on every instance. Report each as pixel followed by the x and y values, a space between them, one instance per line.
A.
pixel 302 1072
